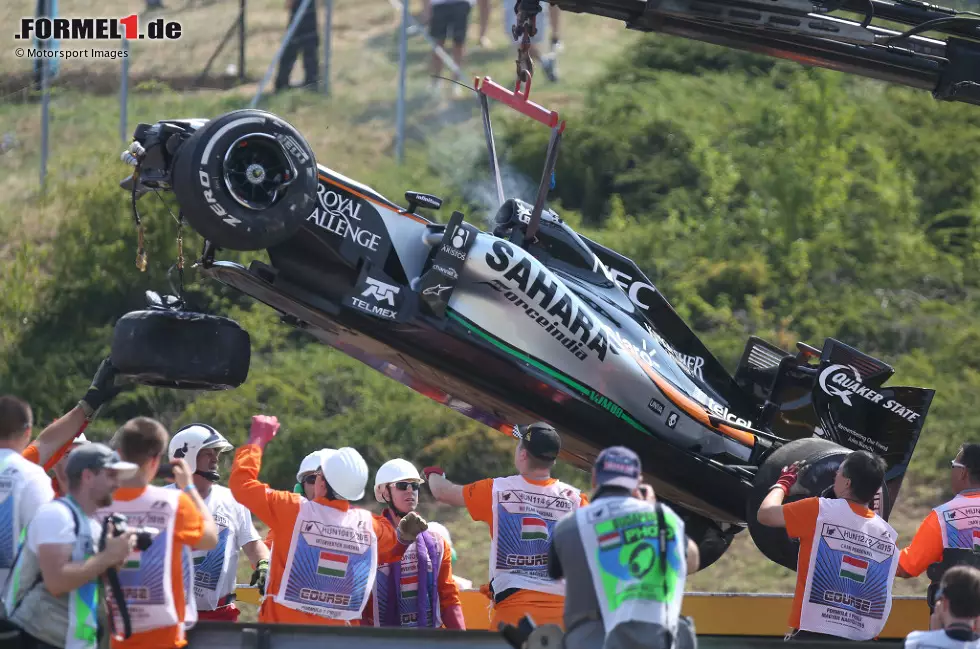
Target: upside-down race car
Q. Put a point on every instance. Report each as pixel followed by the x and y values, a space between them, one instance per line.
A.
pixel 530 321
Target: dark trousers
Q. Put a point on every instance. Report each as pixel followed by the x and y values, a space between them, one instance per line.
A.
pixel 304 42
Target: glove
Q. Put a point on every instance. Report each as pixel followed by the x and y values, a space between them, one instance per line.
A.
pixel 263 429
pixel 410 526
pixel 429 470
pixel 260 575
pixel 788 477
pixel 102 390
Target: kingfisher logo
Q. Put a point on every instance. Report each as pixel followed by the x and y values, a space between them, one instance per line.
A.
pixel 845 383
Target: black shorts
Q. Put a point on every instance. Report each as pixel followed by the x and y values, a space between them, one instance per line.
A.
pixel 450 18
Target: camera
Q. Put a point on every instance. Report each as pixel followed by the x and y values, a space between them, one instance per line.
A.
pixel 144 535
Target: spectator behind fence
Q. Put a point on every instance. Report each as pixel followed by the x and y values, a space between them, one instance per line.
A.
pixel 956 613
pixel 445 18
pixel 549 61
pixel 306 38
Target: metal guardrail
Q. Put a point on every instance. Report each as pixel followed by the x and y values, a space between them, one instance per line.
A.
pixel 730 620
pixel 228 635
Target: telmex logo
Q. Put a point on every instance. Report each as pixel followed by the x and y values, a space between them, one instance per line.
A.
pixel 380 291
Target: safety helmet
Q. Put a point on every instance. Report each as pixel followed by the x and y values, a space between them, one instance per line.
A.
pixel 193 438
pixel 346 472
pixel 312 462
pixel 396 470
pixel 440 529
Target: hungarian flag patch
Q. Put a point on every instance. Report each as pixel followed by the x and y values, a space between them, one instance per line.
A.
pixel 533 529
pixel 609 540
pixel 332 564
pixel 410 586
pixel 853 568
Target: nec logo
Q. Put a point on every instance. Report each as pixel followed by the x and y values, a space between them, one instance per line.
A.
pixel 380 291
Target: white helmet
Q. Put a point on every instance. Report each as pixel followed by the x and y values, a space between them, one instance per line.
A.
pixel 312 462
pixel 440 529
pixel 346 472
pixel 79 440
pixel 396 470
pixel 191 439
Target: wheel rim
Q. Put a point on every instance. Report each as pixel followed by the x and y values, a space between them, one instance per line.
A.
pixel 257 170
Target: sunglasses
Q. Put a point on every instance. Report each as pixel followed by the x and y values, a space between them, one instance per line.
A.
pixel 405 486
pixel 956 465
pixel 310 479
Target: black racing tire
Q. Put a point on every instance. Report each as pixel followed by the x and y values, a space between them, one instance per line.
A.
pixel 181 349
pixel 226 178
pixel 822 459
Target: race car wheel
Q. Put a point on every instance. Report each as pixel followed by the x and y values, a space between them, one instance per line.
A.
pixel 181 349
pixel 822 458
pixel 245 180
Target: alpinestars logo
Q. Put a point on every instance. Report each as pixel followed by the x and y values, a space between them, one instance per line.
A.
pixel 844 382
pixel 380 291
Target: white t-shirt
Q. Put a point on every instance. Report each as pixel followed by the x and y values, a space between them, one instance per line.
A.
pixel 54 525
pixel 230 515
pixel 24 488
pixel 937 640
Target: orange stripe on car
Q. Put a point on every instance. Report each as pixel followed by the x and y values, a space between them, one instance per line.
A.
pixel 690 406
pixel 370 200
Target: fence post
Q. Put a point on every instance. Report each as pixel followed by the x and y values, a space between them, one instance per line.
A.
pixel 45 105
pixel 124 94
pixel 328 10
pixel 400 108
pixel 241 41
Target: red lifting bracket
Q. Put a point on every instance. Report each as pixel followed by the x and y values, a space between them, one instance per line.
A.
pixel 519 101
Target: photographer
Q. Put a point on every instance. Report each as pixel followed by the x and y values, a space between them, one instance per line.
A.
pixel 182 522
pixel 53 592
pixel 625 559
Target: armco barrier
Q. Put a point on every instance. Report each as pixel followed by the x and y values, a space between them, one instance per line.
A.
pixel 729 616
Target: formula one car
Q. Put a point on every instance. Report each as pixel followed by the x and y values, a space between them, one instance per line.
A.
pixel 529 321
